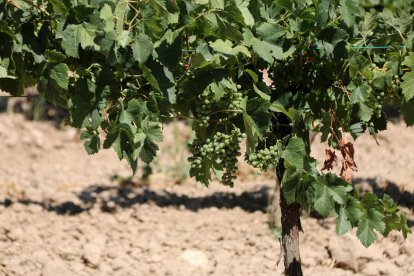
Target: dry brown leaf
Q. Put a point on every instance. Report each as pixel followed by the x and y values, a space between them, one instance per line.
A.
pixel 330 160
pixel 348 164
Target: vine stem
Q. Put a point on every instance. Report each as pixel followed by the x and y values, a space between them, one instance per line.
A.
pixel 32 4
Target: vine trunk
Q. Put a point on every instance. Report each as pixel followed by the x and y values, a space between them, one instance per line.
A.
pixel 290 230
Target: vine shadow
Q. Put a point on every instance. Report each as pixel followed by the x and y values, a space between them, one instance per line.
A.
pixel 112 198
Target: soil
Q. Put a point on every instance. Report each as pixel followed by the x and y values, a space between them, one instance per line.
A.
pixel 63 212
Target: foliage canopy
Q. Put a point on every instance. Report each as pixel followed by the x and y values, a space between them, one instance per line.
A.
pixel 127 66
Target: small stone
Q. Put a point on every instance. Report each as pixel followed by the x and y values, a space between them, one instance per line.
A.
pixel 15 234
pixel 195 258
pixel 92 255
pixel 55 267
pixel 392 249
pixel 119 263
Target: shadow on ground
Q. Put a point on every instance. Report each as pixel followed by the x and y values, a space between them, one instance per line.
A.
pixel 110 198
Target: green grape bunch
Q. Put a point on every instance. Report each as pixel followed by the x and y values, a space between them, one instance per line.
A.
pixel 266 158
pixel 222 149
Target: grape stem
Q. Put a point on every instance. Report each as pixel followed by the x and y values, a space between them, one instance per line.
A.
pixel 225 110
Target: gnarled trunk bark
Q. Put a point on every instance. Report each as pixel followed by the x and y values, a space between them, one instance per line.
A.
pixel 290 230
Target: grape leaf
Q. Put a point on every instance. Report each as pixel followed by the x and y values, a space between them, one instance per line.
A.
pixel 409 61
pixel 142 48
pixel 343 224
pixel 408 85
pixel 323 202
pixel 370 220
pixel 323 12
pixel 73 36
pixel 60 74
pixel 349 11
pixel 294 153
pixel 92 142
pixel 408 112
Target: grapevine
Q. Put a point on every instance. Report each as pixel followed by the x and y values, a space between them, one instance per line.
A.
pixel 123 68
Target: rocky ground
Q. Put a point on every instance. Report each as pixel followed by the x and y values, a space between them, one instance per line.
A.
pixel 65 213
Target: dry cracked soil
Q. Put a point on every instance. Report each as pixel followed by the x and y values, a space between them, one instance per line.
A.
pixel 63 212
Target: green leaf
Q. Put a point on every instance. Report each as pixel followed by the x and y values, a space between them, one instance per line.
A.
pixel 353 210
pixel 323 12
pixel 226 47
pixel 287 4
pixel 369 200
pixel 252 132
pixel 227 30
pixel 408 112
pixel 217 4
pixel 343 225
pixel 111 137
pixel 292 114
pixel 148 151
pixel 83 103
pixel 54 56
pixel 323 202
pixel 142 48
pixel 92 142
pixel 253 75
pixel 53 83
pixel 408 85
pixel 107 16
pixel 262 94
pixel 294 153
pixel 121 13
pixel 3 72
pixel 371 220
pixel 60 74
pixel 268 51
pixel 153 132
pixel 361 93
pixel 4 28
pixel 58 7
pixel 243 6
pixel 73 36
pixel 339 193
pixel 405 229
pixel 365 112
pixel 295 185
pixel 409 61
pixel 349 11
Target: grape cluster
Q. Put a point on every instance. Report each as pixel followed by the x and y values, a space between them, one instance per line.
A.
pixel 203 107
pixel 264 158
pixel 223 148
pixel 234 100
pixel 228 149
pixel 396 82
pixel 130 88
